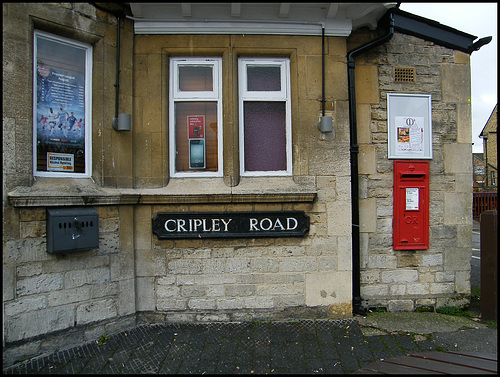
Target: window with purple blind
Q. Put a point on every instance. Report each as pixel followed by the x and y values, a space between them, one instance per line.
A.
pixel 265 121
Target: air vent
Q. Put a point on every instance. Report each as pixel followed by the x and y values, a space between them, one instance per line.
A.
pixel 404 74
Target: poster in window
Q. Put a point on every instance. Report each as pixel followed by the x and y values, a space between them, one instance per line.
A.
pixel 60 107
pixel 196 126
pixel 196 154
pixel 60 162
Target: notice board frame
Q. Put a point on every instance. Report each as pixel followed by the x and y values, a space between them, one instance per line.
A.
pixel 417 110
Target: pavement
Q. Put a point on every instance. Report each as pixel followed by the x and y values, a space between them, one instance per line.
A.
pixel 268 347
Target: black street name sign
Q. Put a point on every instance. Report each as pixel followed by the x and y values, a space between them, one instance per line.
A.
pixel 230 224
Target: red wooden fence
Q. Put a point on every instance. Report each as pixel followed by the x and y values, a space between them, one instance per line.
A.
pixel 483 201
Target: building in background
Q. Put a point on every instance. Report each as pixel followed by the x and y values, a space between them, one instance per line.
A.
pixel 490 150
pixel 479 169
pixel 226 162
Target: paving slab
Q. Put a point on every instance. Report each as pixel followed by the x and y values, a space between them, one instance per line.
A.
pixel 420 323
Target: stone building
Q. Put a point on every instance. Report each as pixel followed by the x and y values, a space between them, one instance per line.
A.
pixel 490 149
pixel 164 137
pixel 479 171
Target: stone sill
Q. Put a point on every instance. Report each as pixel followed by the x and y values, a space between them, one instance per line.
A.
pixel 56 192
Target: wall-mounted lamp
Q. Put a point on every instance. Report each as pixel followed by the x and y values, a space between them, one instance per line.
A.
pixel 326 124
pixel 123 122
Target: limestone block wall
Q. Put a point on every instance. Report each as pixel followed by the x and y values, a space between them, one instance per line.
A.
pixel 242 279
pixel 48 293
pixel 246 278
pixel 44 293
pixel 403 280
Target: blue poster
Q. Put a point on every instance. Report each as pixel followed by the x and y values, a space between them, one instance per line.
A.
pixel 60 108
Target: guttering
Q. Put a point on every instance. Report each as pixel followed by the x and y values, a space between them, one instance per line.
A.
pixel 354 151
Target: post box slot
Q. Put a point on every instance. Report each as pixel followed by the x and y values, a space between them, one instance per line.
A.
pixel 412 176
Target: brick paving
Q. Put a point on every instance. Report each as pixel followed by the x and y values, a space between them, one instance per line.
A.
pixel 291 347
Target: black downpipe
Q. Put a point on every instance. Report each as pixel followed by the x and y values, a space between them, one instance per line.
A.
pixel 117 85
pixel 118 14
pixel 323 69
pixel 354 149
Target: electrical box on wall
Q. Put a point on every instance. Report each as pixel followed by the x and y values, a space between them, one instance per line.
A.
pixel 72 229
pixel 411 205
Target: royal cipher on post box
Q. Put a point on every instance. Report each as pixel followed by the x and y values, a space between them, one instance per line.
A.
pixel 410 223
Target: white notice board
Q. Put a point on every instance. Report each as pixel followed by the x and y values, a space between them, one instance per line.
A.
pixel 409 127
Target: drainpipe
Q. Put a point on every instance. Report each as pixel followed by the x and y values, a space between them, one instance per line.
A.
pixel 356 273
pixel 323 70
pixel 117 85
pixel 121 122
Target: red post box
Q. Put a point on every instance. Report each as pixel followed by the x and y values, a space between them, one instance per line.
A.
pixel 410 222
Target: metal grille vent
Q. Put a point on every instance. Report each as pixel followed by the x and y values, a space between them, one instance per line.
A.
pixel 404 74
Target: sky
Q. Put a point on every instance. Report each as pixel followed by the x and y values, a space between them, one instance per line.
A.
pixel 480 20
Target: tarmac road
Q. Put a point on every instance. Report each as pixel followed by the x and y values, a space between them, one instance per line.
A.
pixel 475 263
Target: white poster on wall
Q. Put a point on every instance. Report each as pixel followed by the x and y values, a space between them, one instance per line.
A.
pixel 410 136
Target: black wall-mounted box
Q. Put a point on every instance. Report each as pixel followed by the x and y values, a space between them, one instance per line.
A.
pixel 72 229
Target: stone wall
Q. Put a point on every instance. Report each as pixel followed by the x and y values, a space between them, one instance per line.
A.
pixel 246 278
pixel 92 291
pixel 404 280
pixel 196 280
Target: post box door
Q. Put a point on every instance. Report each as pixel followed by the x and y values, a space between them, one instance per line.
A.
pixel 411 205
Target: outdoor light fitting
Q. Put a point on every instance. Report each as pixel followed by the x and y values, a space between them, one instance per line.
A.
pixel 122 123
pixel 326 124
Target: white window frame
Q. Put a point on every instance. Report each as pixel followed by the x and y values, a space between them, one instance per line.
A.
pixel 176 95
pixel 88 106
pixel 265 96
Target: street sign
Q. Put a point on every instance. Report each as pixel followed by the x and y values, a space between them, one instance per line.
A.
pixel 230 224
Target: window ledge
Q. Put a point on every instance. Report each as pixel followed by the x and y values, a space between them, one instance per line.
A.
pixel 47 192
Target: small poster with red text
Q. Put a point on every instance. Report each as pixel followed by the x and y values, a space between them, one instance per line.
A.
pixel 60 162
pixel 196 126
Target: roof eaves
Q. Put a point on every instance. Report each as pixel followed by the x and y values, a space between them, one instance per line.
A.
pixel 430 30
